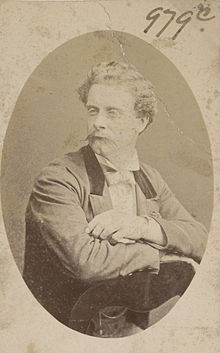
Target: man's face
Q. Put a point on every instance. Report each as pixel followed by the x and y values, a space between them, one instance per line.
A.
pixel 112 122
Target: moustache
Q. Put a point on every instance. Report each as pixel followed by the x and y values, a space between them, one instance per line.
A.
pixel 94 135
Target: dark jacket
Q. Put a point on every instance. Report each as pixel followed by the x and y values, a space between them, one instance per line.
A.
pixel 62 261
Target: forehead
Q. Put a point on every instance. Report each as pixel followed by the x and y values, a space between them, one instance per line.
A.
pixel 114 95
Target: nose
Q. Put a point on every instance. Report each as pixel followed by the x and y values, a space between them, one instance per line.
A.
pixel 100 121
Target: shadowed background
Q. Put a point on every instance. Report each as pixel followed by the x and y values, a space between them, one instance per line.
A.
pixel 49 120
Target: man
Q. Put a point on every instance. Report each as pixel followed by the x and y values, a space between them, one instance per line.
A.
pixel 98 215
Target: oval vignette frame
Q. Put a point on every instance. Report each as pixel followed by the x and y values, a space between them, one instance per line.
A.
pixel 49 121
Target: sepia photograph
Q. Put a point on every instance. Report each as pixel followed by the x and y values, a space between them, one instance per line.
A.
pixel 107 184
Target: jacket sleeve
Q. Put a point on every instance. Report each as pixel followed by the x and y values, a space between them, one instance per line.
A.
pixel 55 211
pixel 185 235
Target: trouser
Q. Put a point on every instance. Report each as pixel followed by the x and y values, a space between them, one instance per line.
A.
pixel 140 293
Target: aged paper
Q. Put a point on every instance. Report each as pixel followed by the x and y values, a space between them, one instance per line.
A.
pixel 185 34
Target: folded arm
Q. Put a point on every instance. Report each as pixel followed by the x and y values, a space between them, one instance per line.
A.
pixel 56 211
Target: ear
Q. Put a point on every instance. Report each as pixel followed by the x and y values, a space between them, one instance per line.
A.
pixel 142 124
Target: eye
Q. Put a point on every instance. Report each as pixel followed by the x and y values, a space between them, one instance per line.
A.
pixel 113 113
pixel 92 111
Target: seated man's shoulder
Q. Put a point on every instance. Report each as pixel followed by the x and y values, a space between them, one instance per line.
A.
pixel 70 165
pixel 72 160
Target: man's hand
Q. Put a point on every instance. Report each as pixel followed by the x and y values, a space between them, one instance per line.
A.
pixel 117 227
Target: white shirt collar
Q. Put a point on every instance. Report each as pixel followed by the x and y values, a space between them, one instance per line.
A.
pixel 131 164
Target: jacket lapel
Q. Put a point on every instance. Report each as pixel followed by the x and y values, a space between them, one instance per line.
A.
pixel 100 199
pixel 94 171
pixel 144 184
pixel 145 195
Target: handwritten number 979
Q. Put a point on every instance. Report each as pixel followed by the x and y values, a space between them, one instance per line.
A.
pixel 183 19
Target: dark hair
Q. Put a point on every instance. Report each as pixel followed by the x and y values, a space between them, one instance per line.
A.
pixel 121 73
